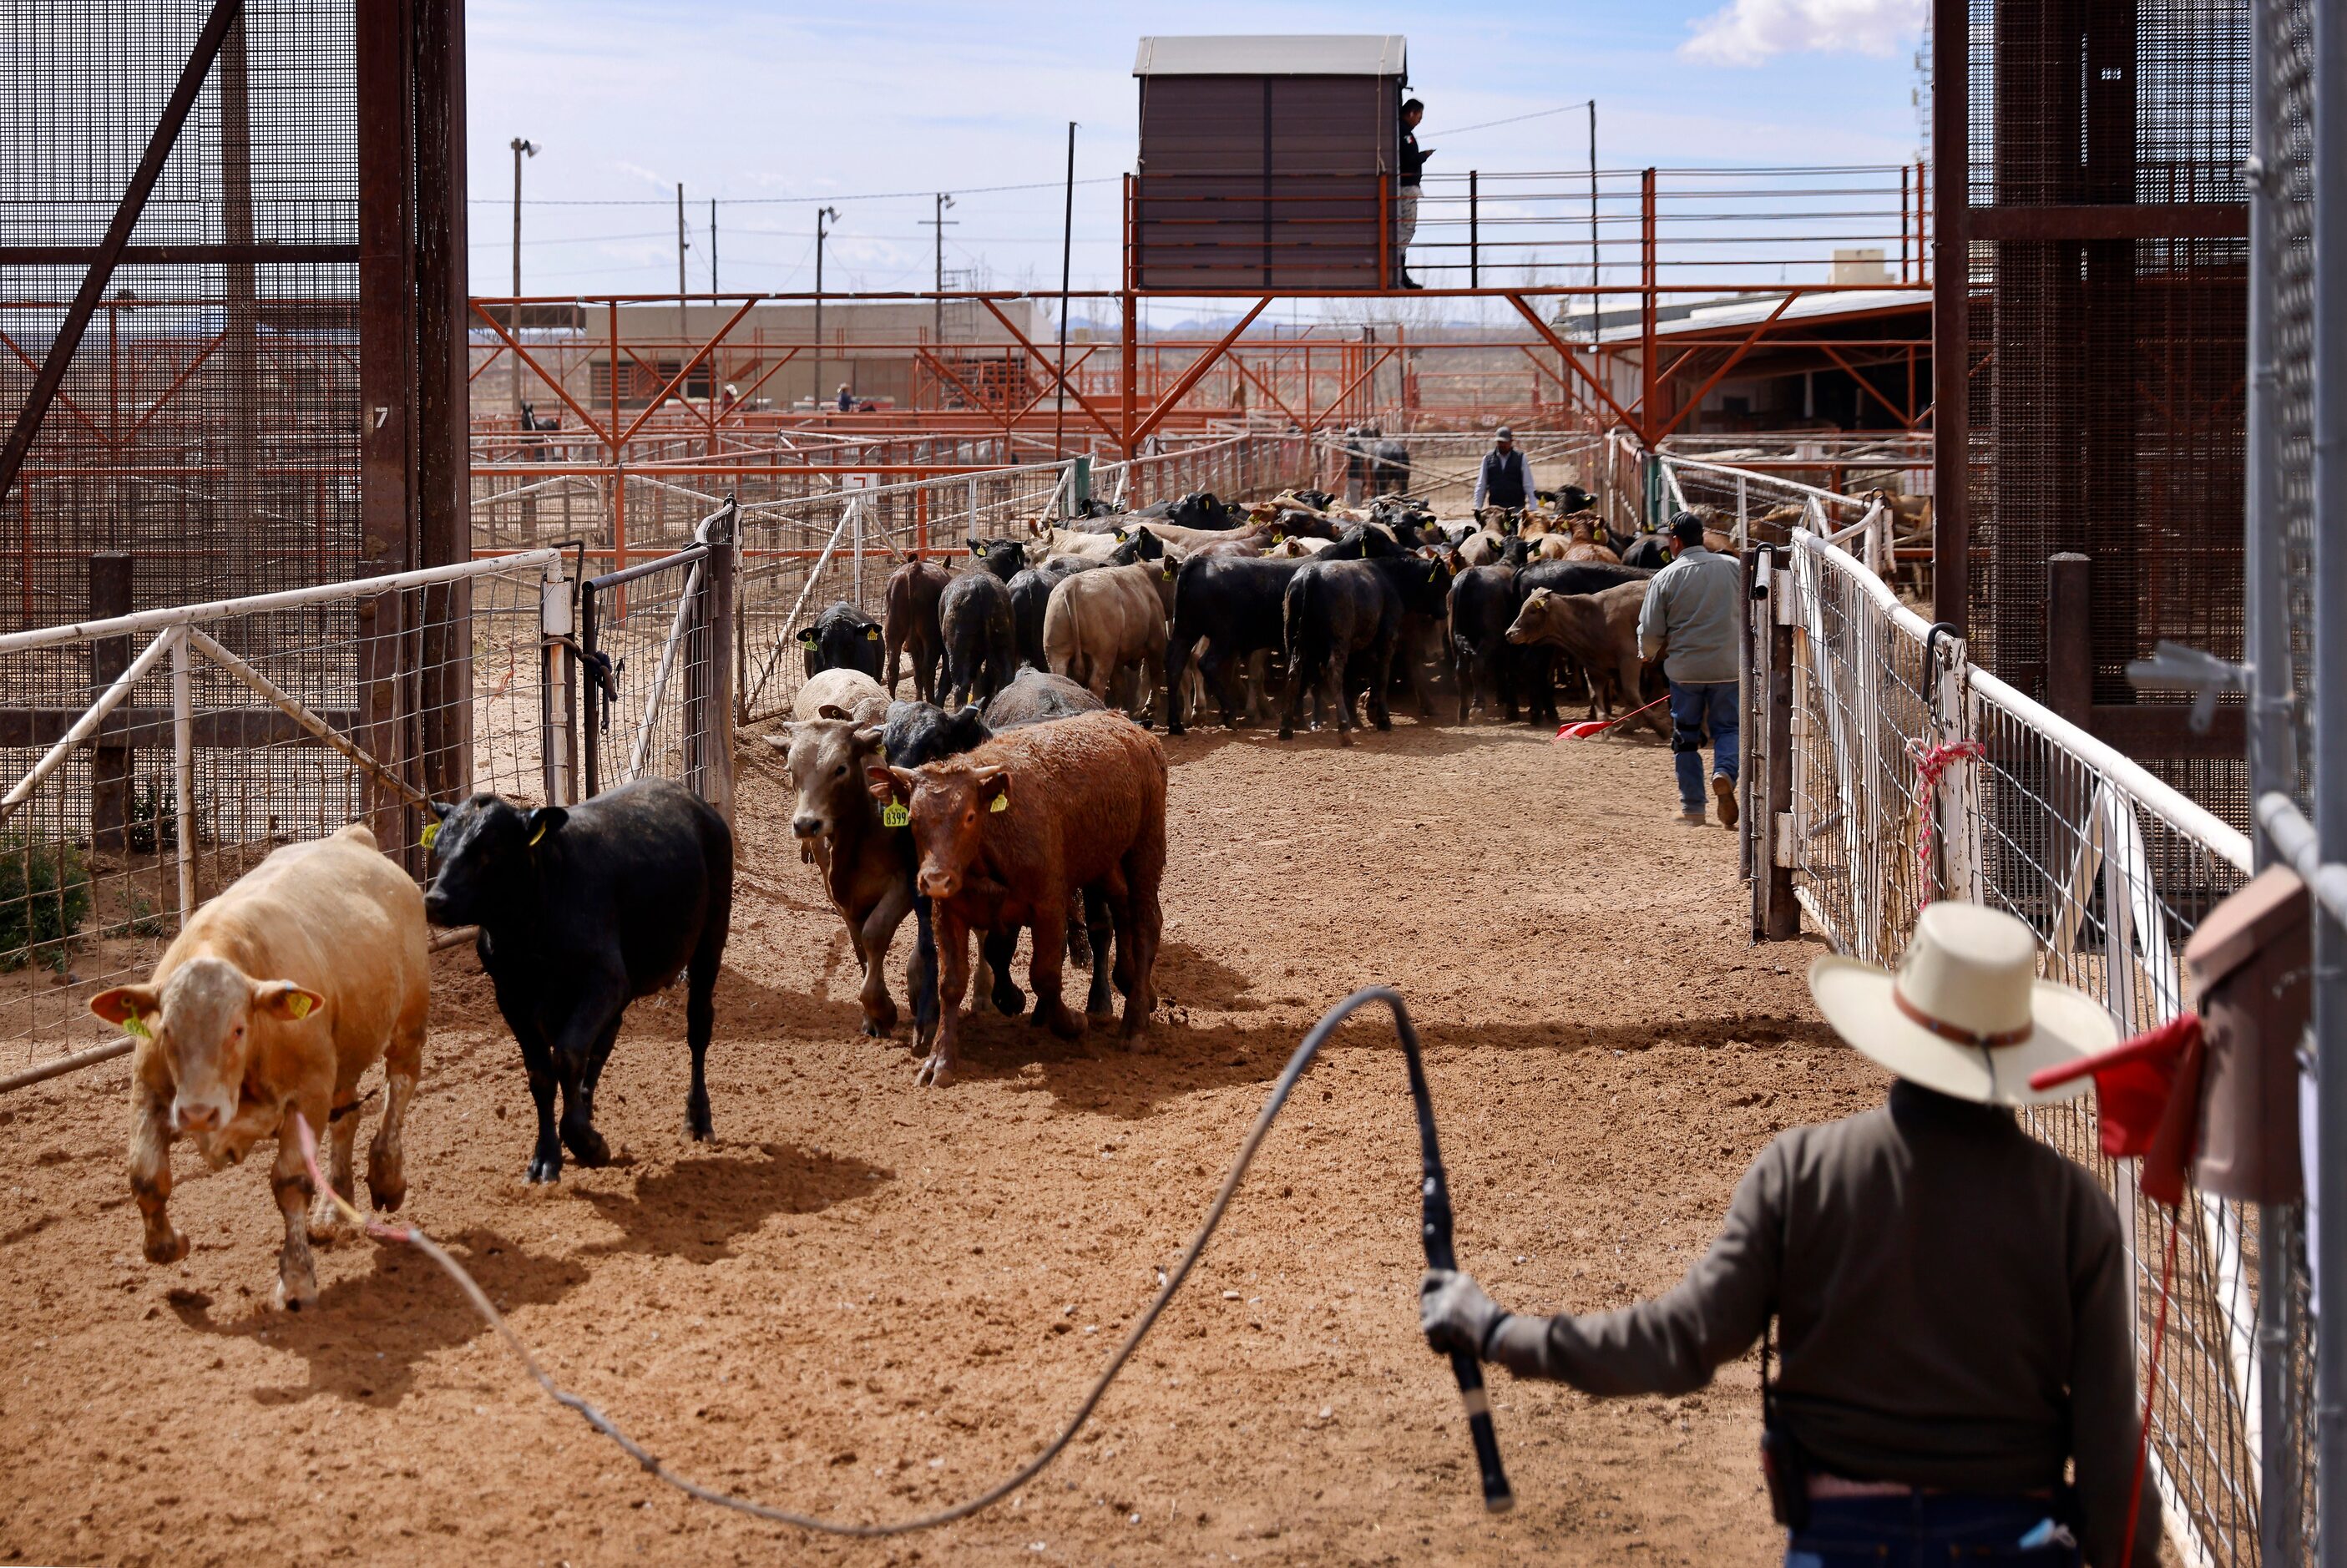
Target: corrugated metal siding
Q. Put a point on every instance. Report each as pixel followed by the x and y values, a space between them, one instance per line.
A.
pixel 1262 182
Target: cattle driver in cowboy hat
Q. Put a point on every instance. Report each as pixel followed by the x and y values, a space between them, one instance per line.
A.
pixel 1956 1378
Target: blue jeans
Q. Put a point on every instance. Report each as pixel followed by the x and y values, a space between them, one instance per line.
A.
pixel 1936 1528
pixel 1696 706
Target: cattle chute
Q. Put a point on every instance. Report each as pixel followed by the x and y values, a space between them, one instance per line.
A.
pixel 1434 1231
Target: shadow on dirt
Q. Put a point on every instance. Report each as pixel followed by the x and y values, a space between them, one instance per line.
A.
pixel 696 1208
pixel 366 1335
pixel 1099 1074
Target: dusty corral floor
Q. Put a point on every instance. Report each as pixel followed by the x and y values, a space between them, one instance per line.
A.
pixel 868 1299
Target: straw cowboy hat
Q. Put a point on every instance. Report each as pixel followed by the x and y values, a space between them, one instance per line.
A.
pixel 1966 1013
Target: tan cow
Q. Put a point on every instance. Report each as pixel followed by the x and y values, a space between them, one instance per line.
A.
pixel 856 694
pixel 280 994
pixel 1045 540
pixel 1099 623
pixel 1600 631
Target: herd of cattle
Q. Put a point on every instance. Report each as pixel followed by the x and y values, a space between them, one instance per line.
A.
pixel 1009 795
pixel 1196 607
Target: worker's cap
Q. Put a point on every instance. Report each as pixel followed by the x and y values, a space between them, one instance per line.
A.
pixel 1966 1013
pixel 1686 528
pixel 1503 434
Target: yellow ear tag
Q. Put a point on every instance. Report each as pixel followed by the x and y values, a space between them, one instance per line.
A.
pixel 873 632
pixel 895 816
pixel 300 1004
pixel 538 835
pixel 1001 802
pixel 431 832
pixel 135 1025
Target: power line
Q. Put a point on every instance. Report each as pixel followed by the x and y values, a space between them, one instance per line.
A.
pixel 1513 119
pixel 788 201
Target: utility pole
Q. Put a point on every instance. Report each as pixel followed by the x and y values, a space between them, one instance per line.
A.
pixel 713 244
pixel 940 223
pixel 521 149
pixel 822 215
pixel 1594 312
pixel 1067 243
pixel 682 245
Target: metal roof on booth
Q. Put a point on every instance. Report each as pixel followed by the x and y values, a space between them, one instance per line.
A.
pixel 1275 54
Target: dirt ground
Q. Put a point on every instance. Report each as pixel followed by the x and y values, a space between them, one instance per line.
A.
pixel 867 1299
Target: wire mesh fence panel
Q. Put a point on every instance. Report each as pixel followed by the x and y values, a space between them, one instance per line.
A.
pixel 648 655
pixel 151 760
pixel 2113 869
pixel 208 421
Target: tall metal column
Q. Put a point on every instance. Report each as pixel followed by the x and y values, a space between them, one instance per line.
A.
pixel 2329 787
pixel 2266 648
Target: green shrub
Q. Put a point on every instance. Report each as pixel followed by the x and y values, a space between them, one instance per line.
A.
pixel 44 898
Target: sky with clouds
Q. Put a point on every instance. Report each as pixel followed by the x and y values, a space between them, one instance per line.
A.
pixel 777 108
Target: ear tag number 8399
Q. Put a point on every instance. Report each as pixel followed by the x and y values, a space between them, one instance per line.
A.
pixel 895 816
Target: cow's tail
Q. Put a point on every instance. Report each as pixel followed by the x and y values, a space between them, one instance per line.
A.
pixel 1059 638
pixel 1294 631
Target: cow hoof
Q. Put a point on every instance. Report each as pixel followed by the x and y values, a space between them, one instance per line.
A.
pixel 299 1294
pixel 169 1248
pixel 874 1028
pixel 1009 1000
pixel 544 1168
pixel 386 1183
pixel 935 1073
pixel 1286 733
pixel 586 1146
pixel 1174 729
pixel 1060 1021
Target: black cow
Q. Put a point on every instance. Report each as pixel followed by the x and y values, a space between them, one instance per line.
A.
pixel 1567 499
pixel 1363 541
pixel 582 911
pixel 842 638
pixel 1541 665
pixel 1483 604
pixel 974 617
pixel 1388 468
pixel 1203 509
pixel 1319 501
pixel 1233 605
pixel 1006 558
pixel 1343 621
pixel 1649 552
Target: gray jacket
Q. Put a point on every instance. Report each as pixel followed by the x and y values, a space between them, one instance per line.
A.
pixel 1690 617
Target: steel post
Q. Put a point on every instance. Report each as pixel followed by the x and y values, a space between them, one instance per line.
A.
pixel 1950 263
pixel 2266 645
pixel 2329 788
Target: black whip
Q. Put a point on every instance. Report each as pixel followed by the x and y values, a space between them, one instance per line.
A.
pixel 1436 1231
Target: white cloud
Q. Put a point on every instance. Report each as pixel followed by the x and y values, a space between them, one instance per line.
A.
pixel 1748 32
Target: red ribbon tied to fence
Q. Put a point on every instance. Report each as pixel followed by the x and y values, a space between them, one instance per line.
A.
pixel 1931 766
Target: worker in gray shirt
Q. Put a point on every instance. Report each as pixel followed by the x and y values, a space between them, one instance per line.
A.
pixel 1950 1296
pixel 1689 621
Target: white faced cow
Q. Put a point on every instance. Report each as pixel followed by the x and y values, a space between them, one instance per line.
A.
pixel 276 996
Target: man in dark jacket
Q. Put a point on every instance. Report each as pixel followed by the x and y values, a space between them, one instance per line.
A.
pixel 1505 478
pixel 1412 164
pixel 1951 1297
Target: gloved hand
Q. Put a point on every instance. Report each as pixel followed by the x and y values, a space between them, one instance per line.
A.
pixel 1455 1315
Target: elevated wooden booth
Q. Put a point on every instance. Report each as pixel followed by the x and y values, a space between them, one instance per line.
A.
pixel 1267 163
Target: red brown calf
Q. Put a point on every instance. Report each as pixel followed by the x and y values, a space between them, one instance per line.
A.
pixel 1006 833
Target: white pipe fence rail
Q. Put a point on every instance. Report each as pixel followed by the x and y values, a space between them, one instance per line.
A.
pixel 137 785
